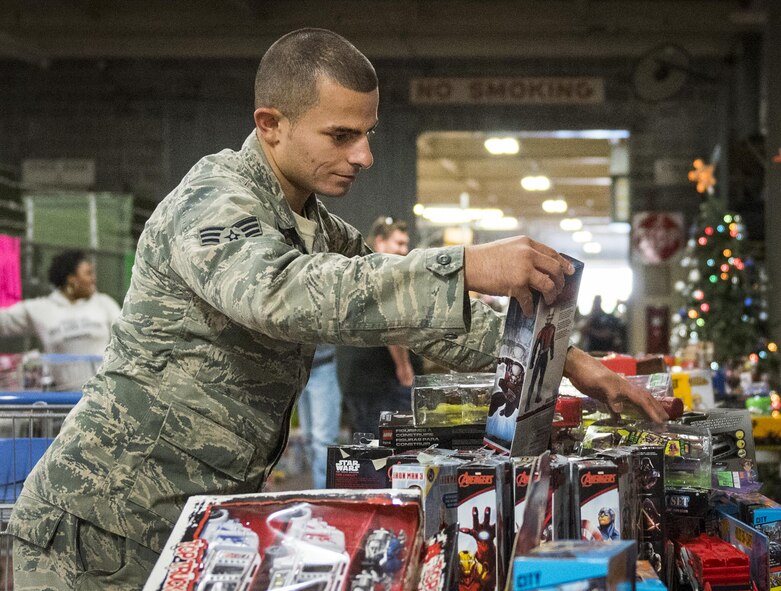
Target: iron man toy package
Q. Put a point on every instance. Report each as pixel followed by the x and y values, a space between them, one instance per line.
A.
pixel 338 540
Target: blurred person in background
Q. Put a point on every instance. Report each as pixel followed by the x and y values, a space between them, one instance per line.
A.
pixel 320 411
pixel 601 332
pixel 74 319
pixel 374 379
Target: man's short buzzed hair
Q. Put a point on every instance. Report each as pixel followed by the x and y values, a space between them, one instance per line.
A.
pixel 288 73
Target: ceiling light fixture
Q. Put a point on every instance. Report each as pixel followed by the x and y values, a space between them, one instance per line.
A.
pixel 592 247
pixel 554 206
pixel 499 146
pixel 535 183
pixel 582 236
pixel 571 224
pixel 497 224
pixel 457 215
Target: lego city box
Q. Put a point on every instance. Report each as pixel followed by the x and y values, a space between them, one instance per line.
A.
pixel 357 466
pixel 755 545
pixel 531 365
pixel 577 564
pixel 340 540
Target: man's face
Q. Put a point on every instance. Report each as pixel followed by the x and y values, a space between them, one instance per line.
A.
pixel 325 148
pixel 396 243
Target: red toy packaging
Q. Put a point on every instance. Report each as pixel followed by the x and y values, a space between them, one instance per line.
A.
pixel 331 541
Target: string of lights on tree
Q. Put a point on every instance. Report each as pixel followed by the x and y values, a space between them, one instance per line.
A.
pixel 725 292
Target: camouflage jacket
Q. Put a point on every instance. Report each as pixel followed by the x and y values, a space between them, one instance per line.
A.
pixel 215 342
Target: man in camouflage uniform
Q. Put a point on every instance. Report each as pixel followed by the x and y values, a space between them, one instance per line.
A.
pixel 226 304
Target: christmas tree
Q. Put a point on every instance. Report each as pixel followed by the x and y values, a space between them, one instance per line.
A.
pixel 725 293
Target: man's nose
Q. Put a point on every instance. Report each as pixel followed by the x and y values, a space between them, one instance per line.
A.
pixel 361 154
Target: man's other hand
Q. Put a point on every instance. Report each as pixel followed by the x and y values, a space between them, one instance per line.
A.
pixel 592 378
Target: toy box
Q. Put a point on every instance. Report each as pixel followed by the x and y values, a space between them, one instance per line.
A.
pixel 439 568
pixel 733 456
pixel 445 400
pixel 357 466
pixel 763 514
pixel 687 510
pixel 709 562
pixel 485 523
pixel 755 545
pixel 648 466
pixel 522 473
pixel 532 356
pixel 398 431
pixel 627 488
pixel 332 541
pixel 575 564
pixel 439 492
pixel 596 503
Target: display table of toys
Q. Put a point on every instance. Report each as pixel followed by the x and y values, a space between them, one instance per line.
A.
pixel 510 481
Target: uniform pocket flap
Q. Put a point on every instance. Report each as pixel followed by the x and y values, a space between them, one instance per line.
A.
pixel 207 441
pixel 445 261
pixel 34 520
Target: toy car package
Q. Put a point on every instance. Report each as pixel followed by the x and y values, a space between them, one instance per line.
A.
pixel 446 400
pixel 531 364
pixel 330 541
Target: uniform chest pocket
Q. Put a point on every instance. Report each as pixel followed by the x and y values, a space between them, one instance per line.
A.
pixel 192 455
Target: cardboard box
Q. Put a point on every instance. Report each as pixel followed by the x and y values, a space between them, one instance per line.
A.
pixel 338 539
pixel 532 356
pixel 398 431
pixel 439 492
pixel 627 488
pixel 596 503
pixel 571 564
pixel 485 522
pixel 755 545
pixel 648 465
pixel 357 467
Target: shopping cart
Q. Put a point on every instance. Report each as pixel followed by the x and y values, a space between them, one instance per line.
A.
pixel 30 419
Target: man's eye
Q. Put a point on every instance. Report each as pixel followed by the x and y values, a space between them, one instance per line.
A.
pixel 340 138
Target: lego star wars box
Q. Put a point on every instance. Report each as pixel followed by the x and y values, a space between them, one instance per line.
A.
pixel 333 540
pixel 576 564
pixel 596 502
pixel 398 431
pixel 357 467
pixel 532 356
pixel 485 523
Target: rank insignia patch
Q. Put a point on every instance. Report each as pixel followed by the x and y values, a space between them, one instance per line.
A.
pixel 245 228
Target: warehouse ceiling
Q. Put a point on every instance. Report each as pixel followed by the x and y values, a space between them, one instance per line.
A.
pixel 454 167
pixel 41 30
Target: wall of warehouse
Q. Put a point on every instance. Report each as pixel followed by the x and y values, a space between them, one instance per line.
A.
pixel 146 122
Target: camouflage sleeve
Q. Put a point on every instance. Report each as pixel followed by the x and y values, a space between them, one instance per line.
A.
pixel 266 285
pixel 343 238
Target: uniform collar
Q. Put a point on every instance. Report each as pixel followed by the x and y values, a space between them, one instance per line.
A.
pixel 266 181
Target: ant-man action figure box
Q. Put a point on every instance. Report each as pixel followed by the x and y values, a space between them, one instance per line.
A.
pixel 330 541
pixel 531 364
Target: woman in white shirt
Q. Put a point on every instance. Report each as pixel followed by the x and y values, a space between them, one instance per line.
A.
pixel 74 319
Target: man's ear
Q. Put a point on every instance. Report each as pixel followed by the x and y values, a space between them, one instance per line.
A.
pixel 267 122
